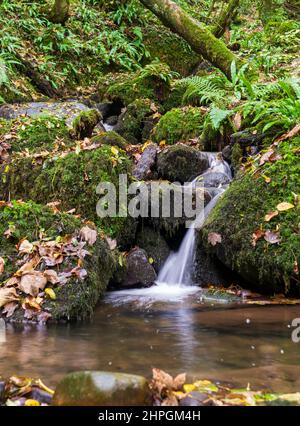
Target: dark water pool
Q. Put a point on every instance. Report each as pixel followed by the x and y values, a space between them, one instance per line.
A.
pixel 232 343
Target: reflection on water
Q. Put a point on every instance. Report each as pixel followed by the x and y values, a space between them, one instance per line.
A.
pixel 237 344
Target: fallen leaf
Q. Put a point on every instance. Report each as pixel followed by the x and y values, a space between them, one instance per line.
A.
pixel 272 237
pixel 111 243
pixel 32 282
pixel 50 293
pixel 9 309
pixel 270 215
pixel 51 276
pixel 214 238
pixel 25 247
pixel 2 265
pixel 259 233
pixel 179 381
pixel 282 207
pixel 89 235
pixel 7 295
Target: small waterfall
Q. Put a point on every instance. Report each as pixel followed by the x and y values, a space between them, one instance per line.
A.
pixel 178 268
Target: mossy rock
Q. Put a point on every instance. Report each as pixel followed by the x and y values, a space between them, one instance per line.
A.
pixel 85 122
pixel 152 82
pixel 110 138
pixel 76 298
pixel 179 125
pixel 136 123
pixel 102 389
pixel 70 178
pixel 241 212
pixel 43 133
pixel 170 49
pixel 155 246
pixel 181 163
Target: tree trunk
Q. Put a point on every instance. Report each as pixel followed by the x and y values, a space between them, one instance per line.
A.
pixel 293 8
pixel 200 38
pixel 225 17
pixel 60 12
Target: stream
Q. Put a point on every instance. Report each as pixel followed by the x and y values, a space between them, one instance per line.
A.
pixel 236 344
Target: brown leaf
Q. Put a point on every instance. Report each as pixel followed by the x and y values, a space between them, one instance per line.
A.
pixel 282 207
pixel 25 247
pixel 270 215
pixel 51 276
pixel 7 295
pixel 237 120
pixel 295 130
pixel 32 282
pixel 111 243
pixel 2 265
pixel 9 309
pixel 179 381
pixel 272 237
pixel 32 303
pixel 259 233
pixel 214 238
pixel 89 235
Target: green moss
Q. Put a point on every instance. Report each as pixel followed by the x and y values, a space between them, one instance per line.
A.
pixel 241 212
pixel 45 133
pixel 132 123
pixel 70 178
pixel 179 125
pixel 110 138
pixel 170 49
pixel 85 122
pixel 75 299
pixel 152 81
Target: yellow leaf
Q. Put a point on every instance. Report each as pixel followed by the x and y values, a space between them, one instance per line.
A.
pixel 32 403
pixel 284 206
pixel 50 293
pixel 2 263
pixel 189 388
pixel 151 260
pixel 270 215
pixel 114 150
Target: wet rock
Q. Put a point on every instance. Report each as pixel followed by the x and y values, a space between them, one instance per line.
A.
pixel 155 245
pixel 213 179
pixel 85 122
pixel 112 120
pixel 68 110
pixel 140 273
pixel 2 389
pixel 195 399
pixel 181 163
pixel 99 388
pixel 226 153
pixel 143 168
pixel 41 396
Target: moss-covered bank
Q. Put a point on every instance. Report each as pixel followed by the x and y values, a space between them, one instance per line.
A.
pixel 264 251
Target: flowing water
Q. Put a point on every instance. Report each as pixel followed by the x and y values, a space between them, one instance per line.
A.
pixel 230 343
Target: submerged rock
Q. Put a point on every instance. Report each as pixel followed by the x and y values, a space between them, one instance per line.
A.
pixel 99 388
pixel 155 246
pixel 181 163
pixel 213 179
pixel 144 166
pixel 140 272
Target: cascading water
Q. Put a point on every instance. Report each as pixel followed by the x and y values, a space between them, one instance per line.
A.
pixel 177 269
pixel 174 281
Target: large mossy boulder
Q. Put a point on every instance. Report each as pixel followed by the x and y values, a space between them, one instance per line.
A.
pixel 71 178
pixel 151 82
pixel 55 267
pixel 136 122
pixel 102 389
pixel 110 138
pixel 179 125
pixel 85 122
pixel 181 163
pixel 139 270
pixel 258 221
pixel 35 134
